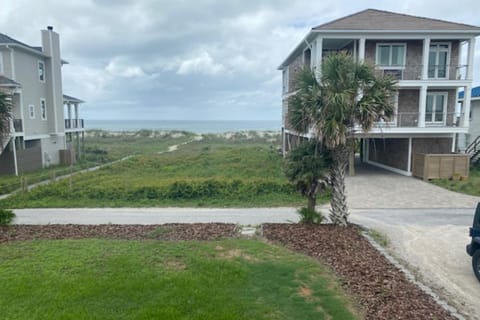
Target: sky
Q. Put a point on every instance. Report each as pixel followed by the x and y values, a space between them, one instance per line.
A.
pixel 189 60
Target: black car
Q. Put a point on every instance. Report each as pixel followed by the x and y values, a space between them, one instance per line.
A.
pixel 473 249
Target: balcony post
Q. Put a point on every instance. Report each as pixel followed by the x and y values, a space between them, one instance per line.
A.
pixel 318 58
pixel 426 53
pixel 361 50
pixel 471 56
pixel 467 98
pixel 422 105
pixel 69 106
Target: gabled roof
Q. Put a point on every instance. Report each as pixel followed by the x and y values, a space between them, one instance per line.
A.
pixel 475 93
pixel 6 82
pixel 379 20
pixel 71 99
pixel 4 39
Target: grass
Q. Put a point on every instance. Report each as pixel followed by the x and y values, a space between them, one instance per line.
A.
pixel 379 237
pixel 106 279
pixel 214 172
pixel 469 186
pixel 102 147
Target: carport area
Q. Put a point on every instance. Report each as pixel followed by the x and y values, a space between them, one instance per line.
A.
pixel 427 228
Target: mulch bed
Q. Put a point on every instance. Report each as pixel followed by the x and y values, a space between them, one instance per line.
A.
pixel 382 289
pixel 173 231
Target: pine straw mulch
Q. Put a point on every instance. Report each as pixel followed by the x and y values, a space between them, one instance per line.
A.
pixel 172 231
pixel 381 289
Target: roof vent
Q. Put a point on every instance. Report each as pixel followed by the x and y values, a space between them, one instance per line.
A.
pixel 50 28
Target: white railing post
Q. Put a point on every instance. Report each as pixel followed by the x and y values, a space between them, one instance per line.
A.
pixel 422 105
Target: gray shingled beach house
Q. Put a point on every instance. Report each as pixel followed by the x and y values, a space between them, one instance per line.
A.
pixel 45 128
pixel 423 54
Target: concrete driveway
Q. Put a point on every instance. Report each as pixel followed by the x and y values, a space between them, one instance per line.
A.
pixel 427 227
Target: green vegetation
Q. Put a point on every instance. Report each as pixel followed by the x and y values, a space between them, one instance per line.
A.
pixel 6 217
pixel 310 216
pixel 101 147
pixel 469 186
pixel 379 237
pixel 238 171
pixel 105 279
pixel 308 166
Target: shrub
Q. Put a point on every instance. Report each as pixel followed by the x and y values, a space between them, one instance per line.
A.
pixel 310 216
pixel 6 217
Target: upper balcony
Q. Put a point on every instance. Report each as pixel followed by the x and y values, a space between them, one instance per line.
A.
pixel 414 72
pixel 74 125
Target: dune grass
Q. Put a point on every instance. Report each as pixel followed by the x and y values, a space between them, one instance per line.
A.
pixel 101 147
pixel 214 172
pixel 113 279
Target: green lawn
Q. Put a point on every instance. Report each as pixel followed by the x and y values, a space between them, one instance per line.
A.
pixel 214 172
pixel 114 279
pixel 470 186
pixel 102 147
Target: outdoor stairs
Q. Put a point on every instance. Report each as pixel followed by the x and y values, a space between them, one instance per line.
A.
pixel 474 151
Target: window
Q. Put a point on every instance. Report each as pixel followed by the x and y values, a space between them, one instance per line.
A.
pixel 41 71
pixel 436 107
pixel 285 80
pixel 438 60
pixel 43 109
pixel 307 58
pixel 391 55
pixel 31 111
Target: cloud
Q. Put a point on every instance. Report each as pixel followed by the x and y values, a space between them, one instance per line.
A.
pixel 207 59
pixel 202 63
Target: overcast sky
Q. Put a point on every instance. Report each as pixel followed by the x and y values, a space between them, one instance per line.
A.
pixel 179 59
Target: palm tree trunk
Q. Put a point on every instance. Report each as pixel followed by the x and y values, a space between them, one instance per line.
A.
pixel 339 212
pixel 312 195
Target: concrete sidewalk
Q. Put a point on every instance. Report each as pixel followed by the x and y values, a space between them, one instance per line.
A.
pixel 250 216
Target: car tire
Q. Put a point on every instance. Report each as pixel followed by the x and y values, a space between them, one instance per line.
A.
pixel 476 263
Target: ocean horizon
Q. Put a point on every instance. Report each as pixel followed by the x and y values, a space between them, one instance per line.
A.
pixel 196 126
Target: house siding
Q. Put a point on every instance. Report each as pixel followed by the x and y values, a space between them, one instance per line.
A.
pixel 432 145
pixel 389 152
pixel 293 70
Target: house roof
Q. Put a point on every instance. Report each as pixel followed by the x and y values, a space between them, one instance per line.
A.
pixel 475 93
pixel 6 82
pixel 379 20
pixel 4 39
pixel 71 99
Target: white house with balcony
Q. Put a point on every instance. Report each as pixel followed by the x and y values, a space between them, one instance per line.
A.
pixel 45 126
pixel 423 54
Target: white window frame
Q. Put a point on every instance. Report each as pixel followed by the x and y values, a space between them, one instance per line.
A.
pixel 311 57
pixel 447 73
pixel 390 44
pixel 31 111
pixel 285 78
pixel 445 106
pixel 43 109
pixel 38 71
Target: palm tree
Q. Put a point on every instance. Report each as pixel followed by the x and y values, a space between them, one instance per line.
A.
pixel 307 166
pixel 348 95
pixel 5 114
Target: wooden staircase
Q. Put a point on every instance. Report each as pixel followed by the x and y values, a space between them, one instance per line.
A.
pixel 474 151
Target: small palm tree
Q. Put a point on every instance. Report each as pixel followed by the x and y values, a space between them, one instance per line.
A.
pixel 5 113
pixel 348 97
pixel 308 167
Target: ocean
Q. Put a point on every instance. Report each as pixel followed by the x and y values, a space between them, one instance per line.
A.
pixel 201 126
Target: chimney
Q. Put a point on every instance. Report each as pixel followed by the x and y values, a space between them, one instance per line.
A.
pixel 53 80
